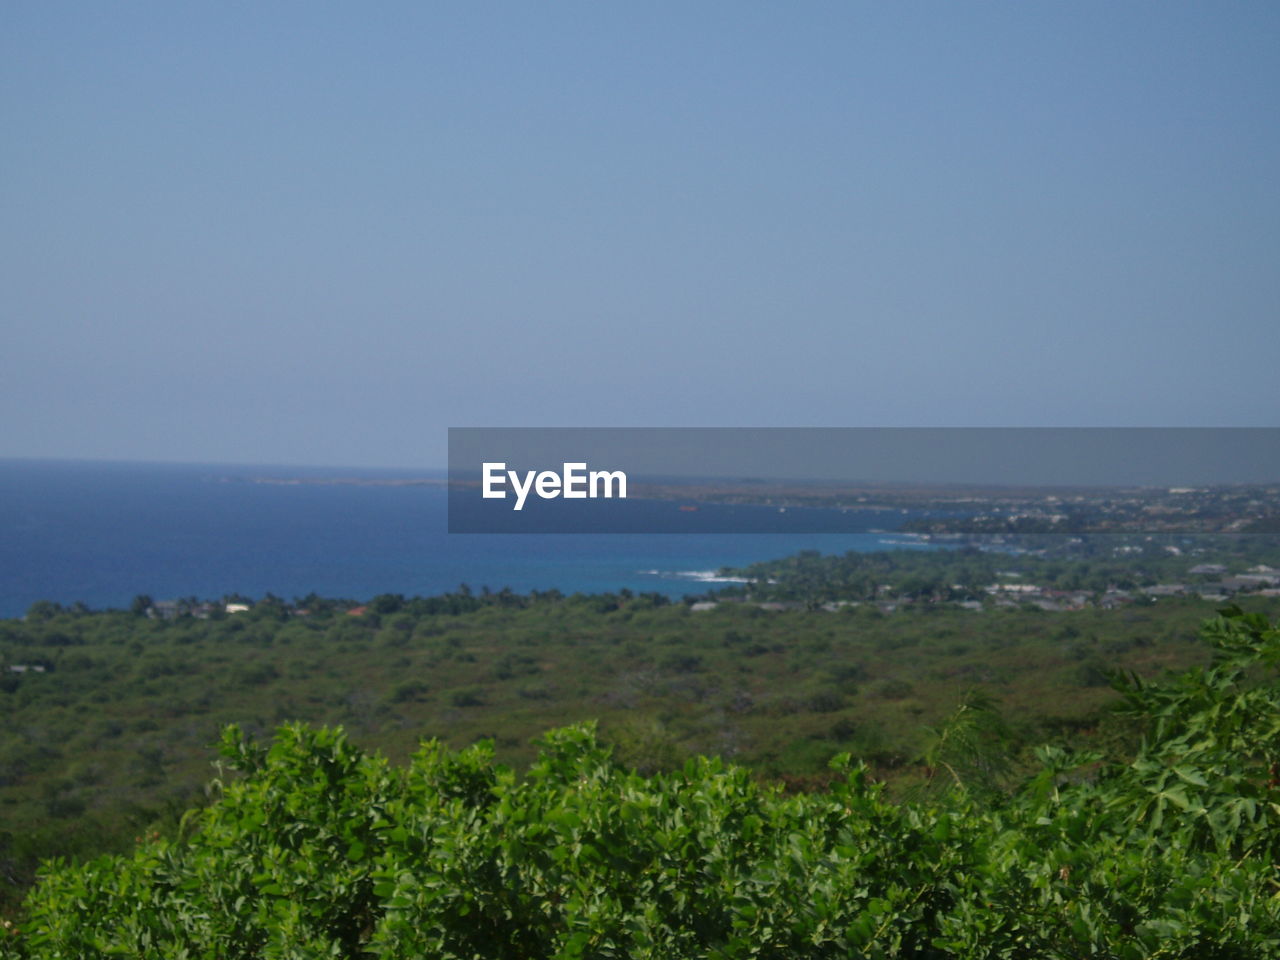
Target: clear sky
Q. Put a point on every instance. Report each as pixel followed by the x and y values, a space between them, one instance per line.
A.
pixel 322 233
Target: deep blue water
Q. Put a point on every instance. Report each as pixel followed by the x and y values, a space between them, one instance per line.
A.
pixel 102 533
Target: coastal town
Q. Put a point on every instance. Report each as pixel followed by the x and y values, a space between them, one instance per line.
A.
pixel 1210 583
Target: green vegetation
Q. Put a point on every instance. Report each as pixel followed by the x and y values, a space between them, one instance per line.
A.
pixel 318 849
pixel 112 741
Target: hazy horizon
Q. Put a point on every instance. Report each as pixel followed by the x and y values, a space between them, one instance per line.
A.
pixel 975 457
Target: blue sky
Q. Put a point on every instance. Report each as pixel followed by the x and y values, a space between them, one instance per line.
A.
pixel 324 233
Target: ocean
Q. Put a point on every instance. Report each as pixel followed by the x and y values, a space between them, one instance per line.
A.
pixel 101 533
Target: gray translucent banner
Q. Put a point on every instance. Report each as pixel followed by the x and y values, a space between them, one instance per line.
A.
pixel 927 481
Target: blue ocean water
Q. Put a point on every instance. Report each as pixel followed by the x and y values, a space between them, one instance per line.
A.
pixel 101 533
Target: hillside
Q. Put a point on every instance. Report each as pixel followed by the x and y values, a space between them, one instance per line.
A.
pixel 115 736
pixel 318 849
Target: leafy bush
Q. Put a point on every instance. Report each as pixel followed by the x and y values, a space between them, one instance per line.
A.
pixel 469 697
pixel 408 690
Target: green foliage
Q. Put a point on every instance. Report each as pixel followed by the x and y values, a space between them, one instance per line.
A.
pixel 1211 755
pixel 138 700
pixel 972 749
pixel 316 849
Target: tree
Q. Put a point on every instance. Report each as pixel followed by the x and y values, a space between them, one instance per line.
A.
pixel 43 610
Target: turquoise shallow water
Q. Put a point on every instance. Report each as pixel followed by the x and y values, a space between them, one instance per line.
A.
pixel 103 532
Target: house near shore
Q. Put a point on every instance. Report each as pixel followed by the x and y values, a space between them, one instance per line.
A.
pixel 1165 590
pixel 172 609
pixel 1212 591
pixel 1249 580
pixel 1114 598
pixel 164 610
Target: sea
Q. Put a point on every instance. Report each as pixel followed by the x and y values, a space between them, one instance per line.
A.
pixel 101 533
